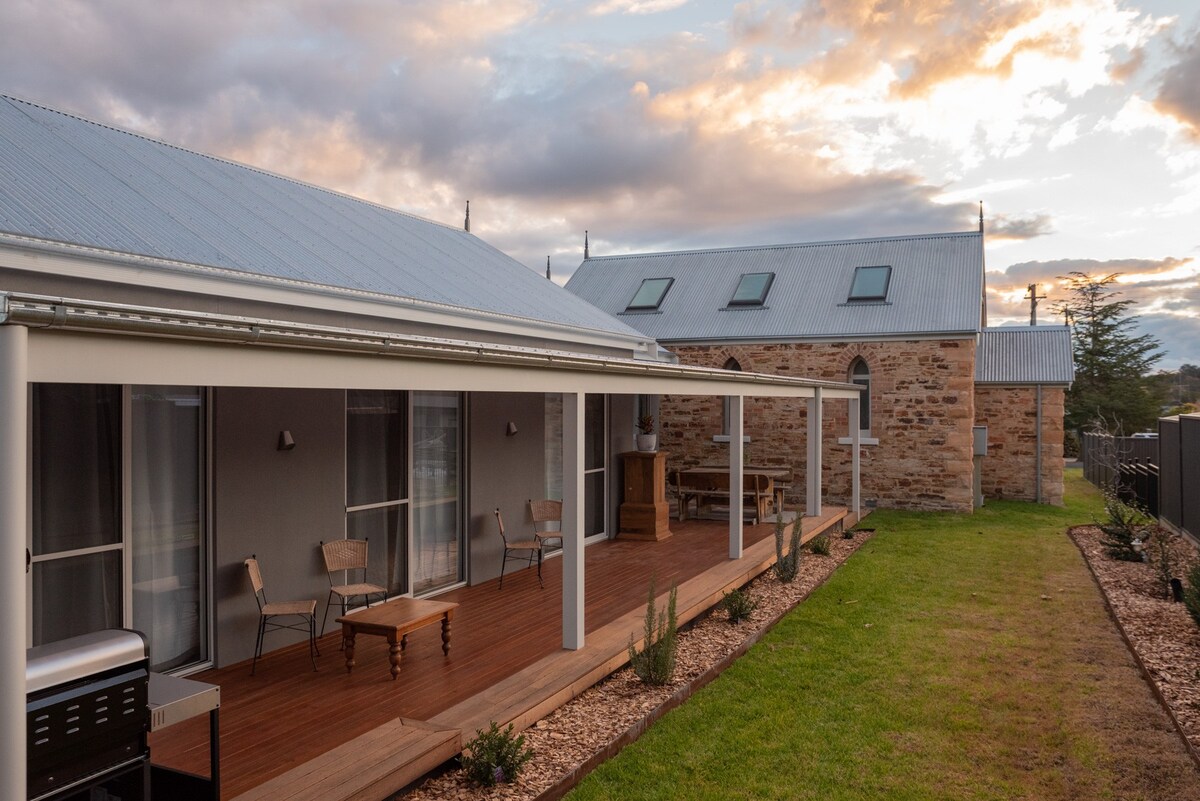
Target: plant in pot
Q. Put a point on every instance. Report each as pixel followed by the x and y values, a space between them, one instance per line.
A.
pixel 646 439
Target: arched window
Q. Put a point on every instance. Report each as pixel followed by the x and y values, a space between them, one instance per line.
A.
pixel 861 374
pixel 730 364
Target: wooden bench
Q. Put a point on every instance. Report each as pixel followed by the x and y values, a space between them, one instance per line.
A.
pixel 703 488
pixel 370 767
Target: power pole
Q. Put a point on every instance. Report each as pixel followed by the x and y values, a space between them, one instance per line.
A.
pixel 1033 297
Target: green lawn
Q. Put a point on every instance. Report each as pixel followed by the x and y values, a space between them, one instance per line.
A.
pixel 976 662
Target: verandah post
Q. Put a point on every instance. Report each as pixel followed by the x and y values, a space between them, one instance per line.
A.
pixel 573 520
pixel 813 469
pixel 736 482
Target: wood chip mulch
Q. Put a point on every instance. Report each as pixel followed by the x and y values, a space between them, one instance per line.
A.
pixel 1161 632
pixel 570 736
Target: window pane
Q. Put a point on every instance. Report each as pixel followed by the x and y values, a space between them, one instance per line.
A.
pixel 593 432
pixel 752 289
pixel 375 469
pixel 870 283
pixel 553 429
pixel 76 441
pixel 593 503
pixel 168 529
pixel 436 498
pixel 76 595
pixel 650 294
pixel 387 548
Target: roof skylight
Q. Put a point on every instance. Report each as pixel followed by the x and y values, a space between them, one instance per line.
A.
pixel 650 294
pixel 870 283
pixel 752 289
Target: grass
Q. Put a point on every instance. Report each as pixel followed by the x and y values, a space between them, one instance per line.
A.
pixel 977 662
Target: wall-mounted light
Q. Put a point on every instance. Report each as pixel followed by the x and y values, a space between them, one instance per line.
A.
pixel 511 431
pixel 286 442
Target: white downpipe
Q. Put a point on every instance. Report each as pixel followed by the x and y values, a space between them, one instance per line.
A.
pixel 855 457
pixel 813 501
pixel 736 480
pixel 14 422
pixel 572 522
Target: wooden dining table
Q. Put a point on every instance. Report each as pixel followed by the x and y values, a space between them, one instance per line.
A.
pixel 711 481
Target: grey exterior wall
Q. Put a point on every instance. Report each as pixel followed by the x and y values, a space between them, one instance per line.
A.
pixel 276 504
pixel 504 472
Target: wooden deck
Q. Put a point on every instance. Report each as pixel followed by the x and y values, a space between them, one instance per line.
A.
pixel 506 663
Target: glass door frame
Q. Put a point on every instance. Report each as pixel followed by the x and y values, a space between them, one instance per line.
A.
pixel 606 449
pixel 464 417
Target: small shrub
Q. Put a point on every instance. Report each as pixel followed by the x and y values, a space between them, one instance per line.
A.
pixel 655 663
pixel 820 545
pixel 738 604
pixel 1191 592
pixel 787 566
pixel 496 756
pixel 1160 546
pixel 1125 524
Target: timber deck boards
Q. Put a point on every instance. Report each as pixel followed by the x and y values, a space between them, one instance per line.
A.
pixel 507 663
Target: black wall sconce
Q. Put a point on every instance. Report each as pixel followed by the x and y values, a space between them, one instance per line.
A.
pixel 511 430
pixel 286 442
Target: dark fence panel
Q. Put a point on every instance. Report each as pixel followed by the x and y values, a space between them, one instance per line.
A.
pixel 1189 473
pixel 1171 498
pixel 1130 464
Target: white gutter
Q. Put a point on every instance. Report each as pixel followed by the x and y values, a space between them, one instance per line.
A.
pixel 40 311
pixel 95 264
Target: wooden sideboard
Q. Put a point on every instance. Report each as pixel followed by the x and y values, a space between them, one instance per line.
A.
pixel 645 513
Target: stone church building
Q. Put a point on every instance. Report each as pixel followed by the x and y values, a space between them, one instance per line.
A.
pixel 904 316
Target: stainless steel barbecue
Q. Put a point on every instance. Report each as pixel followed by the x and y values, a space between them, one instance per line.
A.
pixel 87 716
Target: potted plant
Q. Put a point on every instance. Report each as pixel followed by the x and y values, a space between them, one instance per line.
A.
pixel 646 439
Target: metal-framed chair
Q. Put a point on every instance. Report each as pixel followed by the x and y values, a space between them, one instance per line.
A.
pixel 348 556
pixel 546 513
pixel 267 612
pixel 511 547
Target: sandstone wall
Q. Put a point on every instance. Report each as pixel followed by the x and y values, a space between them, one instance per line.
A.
pixel 1010 468
pixel 923 409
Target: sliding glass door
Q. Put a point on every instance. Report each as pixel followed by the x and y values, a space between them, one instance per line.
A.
pixel 118 535
pixel 437 503
pixel 376 482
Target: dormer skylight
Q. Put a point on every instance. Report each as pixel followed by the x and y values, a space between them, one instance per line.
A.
pixel 650 294
pixel 752 289
pixel 870 283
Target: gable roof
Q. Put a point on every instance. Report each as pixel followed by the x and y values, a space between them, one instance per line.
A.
pixel 936 287
pixel 64 179
pixel 1025 354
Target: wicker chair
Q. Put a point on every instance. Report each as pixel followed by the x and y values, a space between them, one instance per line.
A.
pixel 267 612
pixel 511 547
pixel 545 513
pixel 348 556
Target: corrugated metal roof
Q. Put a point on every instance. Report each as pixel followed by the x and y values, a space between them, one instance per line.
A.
pixel 65 179
pixel 1029 354
pixel 936 287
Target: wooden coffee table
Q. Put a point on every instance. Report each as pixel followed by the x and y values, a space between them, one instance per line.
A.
pixel 395 620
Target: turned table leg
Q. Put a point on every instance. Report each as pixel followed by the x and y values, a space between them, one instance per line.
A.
pixel 395 649
pixel 446 635
pixel 348 641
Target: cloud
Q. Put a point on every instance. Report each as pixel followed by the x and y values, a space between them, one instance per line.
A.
pixel 1179 91
pixel 1008 227
pixel 634 6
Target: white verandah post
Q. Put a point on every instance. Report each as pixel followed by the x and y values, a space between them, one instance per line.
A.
pixel 855 456
pixel 573 520
pixel 736 449
pixel 813 469
pixel 14 422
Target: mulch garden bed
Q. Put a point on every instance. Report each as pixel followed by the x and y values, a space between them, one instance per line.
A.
pixel 1164 638
pixel 598 722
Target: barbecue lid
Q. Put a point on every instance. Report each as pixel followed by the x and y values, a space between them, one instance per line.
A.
pixel 79 657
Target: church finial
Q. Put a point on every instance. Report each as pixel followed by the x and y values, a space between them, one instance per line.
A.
pixel 981 216
pixel 467 219
pixel 548 268
pixel 586 254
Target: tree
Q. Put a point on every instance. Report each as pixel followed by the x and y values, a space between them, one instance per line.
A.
pixel 1112 385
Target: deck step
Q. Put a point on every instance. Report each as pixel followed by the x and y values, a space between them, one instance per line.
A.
pixel 368 768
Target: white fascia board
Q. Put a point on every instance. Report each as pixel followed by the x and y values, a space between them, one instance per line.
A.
pixel 73 261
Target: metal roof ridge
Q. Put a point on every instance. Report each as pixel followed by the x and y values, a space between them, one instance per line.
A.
pixel 989 329
pixel 787 246
pixel 230 162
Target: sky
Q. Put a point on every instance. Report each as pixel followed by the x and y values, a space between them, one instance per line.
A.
pixel 678 124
